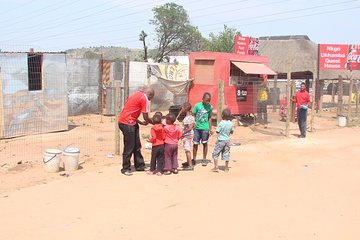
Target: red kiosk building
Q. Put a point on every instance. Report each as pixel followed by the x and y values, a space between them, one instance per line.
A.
pixel 241 75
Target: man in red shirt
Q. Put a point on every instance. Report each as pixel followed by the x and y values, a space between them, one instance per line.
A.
pixel 302 100
pixel 128 122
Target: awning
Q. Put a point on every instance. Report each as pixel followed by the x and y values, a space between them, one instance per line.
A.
pixel 254 68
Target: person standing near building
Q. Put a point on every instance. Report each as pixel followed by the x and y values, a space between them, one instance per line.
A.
pixel 263 97
pixel 222 145
pixel 187 134
pixel 203 112
pixel 172 135
pixel 128 123
pixel 157 150
pixel 302 100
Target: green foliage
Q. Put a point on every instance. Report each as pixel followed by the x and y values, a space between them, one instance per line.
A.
pixel 91 55
pixel 223 41
pixel 174 31
pixel 142 37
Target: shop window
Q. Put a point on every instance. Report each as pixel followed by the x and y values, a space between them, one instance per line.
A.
pixel 235 75
pixel 204 72
pixel 34 71
pixel 238 77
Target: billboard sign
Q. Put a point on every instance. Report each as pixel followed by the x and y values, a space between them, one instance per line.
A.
pixel 333 56
pixel 253 48
pixel 354 57
pixel 241 45
pixel 246 45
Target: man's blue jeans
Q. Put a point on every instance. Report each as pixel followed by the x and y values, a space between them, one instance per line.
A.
pixel 302 115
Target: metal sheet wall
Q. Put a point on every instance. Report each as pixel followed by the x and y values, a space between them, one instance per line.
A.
pixel 83 86
pixel 31 112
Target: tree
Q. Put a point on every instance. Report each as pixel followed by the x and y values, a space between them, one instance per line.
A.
pixel 174 31
pixel 91 55
pixel 142 37
pixel 224 41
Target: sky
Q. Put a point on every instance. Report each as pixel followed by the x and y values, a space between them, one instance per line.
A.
pixel 58 25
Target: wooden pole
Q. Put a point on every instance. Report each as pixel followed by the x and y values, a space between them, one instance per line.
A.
pixel 101 88
pixel 288 100
pixel 313 96
pixel 220 103
pixel 357 101
pixel 292 104
pixel 127 78
pixel 340 97
pixel 317 78
pixel 332 91
pixel 350 95
pixel 321 85
pixel 117 113
pixel 275 97
pixel 2 116
pixel 148 83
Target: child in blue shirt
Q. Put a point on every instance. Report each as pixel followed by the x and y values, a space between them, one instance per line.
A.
pixel 224 129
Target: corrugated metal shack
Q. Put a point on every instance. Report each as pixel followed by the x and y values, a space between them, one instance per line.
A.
pixel 33 95
pixel 39 90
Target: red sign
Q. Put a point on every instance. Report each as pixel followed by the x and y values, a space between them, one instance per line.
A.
pixel 354 57
pixel 333 56
pixel 246 45
pixel 253 46
pixel 241 45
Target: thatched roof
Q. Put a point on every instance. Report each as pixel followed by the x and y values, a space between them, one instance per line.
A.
pixel 301 50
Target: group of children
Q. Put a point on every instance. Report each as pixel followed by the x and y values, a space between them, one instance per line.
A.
pixel 165 136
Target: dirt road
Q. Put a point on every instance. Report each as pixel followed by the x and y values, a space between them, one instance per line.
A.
pixel 280 189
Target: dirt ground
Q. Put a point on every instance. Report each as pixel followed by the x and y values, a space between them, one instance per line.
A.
pixel 277 187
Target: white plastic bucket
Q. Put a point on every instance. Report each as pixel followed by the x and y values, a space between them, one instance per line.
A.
pixel 342 121
pixel 52 159
pixel 71 158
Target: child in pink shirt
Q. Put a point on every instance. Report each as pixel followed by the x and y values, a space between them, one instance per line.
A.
pixel 172 136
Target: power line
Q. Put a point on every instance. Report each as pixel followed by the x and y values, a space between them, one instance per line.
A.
pixel 61 35
pixel 87 26
pixel 7 11
pixel 62 17
pixel 42 13
pixel 120 40
pixel 236 20
pixel 77 30
pixel 242 8
pixel 219 5
pixel 285 12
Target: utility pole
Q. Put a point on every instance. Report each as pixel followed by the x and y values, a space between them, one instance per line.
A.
pixel 288 100
pixel 127 78
pixel 117 113
pixel 340 96
pixel 313 97
pixel 350 95
pixel 220 103
pixel 275 97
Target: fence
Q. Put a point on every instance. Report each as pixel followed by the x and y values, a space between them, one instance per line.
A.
pixel 342 98
pixel 39 95
pixel 48 100
pixel 330 104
